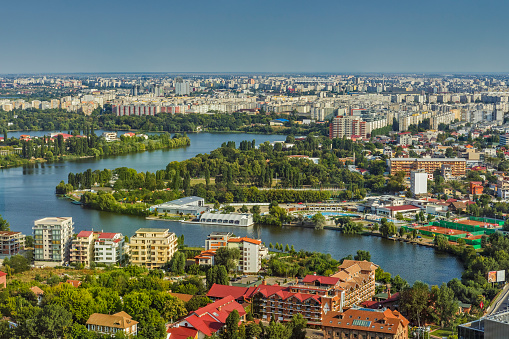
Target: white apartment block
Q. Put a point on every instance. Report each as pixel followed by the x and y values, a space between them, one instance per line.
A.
pixel 109 248
pixel 250 256
pixel 418 182
pixel 52 240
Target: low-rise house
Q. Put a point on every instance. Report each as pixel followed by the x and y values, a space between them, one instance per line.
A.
pixel 207 320
pixel 111 324
pixel 38 293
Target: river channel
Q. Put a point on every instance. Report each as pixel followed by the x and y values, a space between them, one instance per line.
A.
pixel 27 194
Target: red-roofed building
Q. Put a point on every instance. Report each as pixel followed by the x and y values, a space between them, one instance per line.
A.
pixel 364 323
pixel 309 300
pixel 74 283
pixel 240 294
pixel 182 333
pixel 476 188
pixel 209 319
pixel 3 279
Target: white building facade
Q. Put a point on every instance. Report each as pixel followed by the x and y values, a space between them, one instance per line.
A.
pixel 52 240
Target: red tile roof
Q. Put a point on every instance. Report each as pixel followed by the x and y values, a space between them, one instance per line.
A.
pixel 106 235
pixel 321 279
pixel 84 234
pixel 2 274
pixel 181 332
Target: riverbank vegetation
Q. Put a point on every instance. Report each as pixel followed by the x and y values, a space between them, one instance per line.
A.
pixel 19 152
pixel 61 120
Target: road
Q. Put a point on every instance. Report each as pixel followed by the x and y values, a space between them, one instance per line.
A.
pixel 501 303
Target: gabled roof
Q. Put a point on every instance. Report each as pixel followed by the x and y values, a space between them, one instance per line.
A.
pixel 107 235
pixel 184 297
pixel 222 291
pixel 321 279
pixel 366 320
pixel 37 291
pixel 117 320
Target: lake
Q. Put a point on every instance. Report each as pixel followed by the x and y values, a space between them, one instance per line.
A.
pixel 27 194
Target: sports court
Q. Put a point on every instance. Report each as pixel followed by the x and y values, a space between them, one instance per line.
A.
pixel 477 223
pixel 442 230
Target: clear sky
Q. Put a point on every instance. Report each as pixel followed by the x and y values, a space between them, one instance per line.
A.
pixel 254 36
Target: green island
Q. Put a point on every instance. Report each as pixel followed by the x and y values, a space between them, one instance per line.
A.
pixel 63 147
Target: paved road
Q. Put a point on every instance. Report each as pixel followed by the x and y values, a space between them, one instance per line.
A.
pixel 502 302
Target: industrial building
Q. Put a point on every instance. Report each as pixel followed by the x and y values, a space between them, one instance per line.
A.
pixel 189 205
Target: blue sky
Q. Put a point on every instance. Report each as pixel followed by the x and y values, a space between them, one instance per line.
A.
pixel 254 36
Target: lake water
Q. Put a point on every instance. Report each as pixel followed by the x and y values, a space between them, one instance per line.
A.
pixel 27 194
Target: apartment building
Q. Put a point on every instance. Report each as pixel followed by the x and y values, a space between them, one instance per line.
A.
pixel 152 247
pixel 110 324
pixel 52 240
pixel 251 251
pixel 365 323
pixel 347 126
pixel 82 248
pixel 428 165
pixel 316 296
pixel 357 279
pixel 216 240
pixel 250 258
pixel 11 243
pixel 109 248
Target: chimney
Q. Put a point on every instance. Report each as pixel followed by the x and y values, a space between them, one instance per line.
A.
pixel 264 282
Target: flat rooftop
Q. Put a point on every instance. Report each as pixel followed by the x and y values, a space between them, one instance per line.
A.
pixel 52 220
pixel 154 230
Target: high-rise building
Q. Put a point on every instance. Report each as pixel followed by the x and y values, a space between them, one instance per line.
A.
pixel 418 183
pixel 52 240
pixel 134 91
pixel 347 126
pixel 152 247
pixel 182 87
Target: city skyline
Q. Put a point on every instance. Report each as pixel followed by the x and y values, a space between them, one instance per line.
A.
pixel 254 37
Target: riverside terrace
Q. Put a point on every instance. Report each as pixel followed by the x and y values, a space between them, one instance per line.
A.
pixel 469 230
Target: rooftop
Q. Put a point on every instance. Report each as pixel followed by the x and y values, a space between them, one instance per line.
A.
pixel 152 230
pixel 184 201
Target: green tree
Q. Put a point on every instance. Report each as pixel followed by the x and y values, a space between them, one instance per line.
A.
pixel 4 225
pixel 227 257
pixel 52 321
pixel 319 220
pixel 414 301
pixel 387 229
pixel 231 330
pixel 277 330
pixel 441 242
pixel 297 327
pixel 363 255
pixel 17 263
pixel 446 305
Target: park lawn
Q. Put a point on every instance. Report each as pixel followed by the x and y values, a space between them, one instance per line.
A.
pixel 195 181
pixel 443 332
